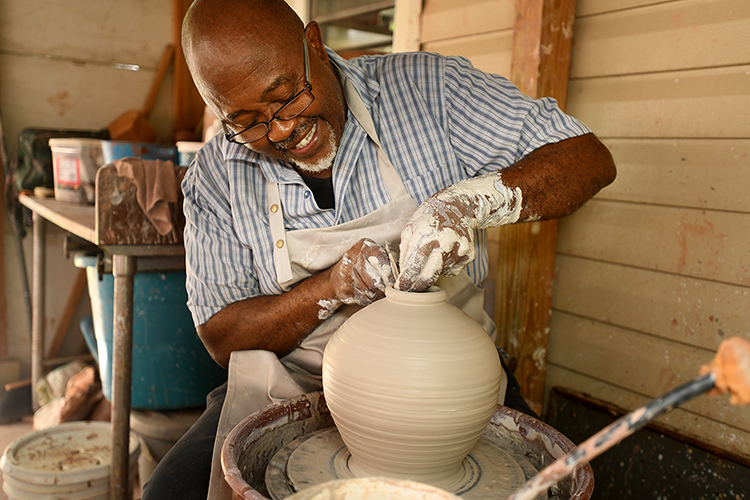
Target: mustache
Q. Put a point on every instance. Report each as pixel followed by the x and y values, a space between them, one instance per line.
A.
pixel 299 131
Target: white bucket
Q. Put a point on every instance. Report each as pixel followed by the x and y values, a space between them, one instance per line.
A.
pixel 71 460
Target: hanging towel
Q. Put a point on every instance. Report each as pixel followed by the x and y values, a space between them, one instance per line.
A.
pixel 156 188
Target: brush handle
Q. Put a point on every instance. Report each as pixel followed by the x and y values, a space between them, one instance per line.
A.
pixel 611 435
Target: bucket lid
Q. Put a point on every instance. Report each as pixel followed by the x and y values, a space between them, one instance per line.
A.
pixel 68 453
pixel 71 142
pixel 188 146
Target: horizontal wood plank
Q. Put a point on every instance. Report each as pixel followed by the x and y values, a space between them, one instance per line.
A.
pixel 639 363
pixel 692 311
pixel 444 19
pixel 713 432
pixel 591 7
pixel 491 52
pixel 88 31
pixel 711 103
pixel 698 243
pixel 703 173
pixel 671 36
pixel 71 96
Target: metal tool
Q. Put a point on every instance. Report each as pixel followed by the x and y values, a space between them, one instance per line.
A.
pixel 728 372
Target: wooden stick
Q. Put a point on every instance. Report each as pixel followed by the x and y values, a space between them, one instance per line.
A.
pixel 79 285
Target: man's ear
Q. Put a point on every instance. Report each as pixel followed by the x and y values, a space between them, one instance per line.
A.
pixel 315 40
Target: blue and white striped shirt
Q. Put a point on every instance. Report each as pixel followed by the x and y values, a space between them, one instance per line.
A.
pixel 439 120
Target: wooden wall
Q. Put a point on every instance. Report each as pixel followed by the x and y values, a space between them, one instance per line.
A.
pixel 58 70
pixel 481 30
pixel 654 272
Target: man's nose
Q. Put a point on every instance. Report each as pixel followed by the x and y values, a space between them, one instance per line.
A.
pixel 280 130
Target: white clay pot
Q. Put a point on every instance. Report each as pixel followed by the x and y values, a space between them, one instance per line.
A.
pixel 411 382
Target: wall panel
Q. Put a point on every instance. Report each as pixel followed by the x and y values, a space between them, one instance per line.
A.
pixel 697 312
pixel 704 173
pixel 710 103
pixel 664 37
pixel 443 19
pixel 691 242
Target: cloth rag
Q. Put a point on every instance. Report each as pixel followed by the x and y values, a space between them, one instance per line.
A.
pixel 156 188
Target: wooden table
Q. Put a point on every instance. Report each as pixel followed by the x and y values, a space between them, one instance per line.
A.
pixel 85 221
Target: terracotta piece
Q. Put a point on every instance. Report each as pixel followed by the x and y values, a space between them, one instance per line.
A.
pixel 411 382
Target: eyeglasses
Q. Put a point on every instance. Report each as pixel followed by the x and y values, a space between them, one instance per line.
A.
pixel 292 108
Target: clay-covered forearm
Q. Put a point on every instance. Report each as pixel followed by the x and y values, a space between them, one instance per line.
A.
pixel 557 179
pixel 276 323
pixel 550 182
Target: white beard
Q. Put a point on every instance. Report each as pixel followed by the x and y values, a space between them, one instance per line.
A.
pixel 326 161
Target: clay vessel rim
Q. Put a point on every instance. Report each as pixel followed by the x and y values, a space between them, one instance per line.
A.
pixel 433 295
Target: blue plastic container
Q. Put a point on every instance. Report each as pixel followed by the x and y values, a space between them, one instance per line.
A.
pixel 116 150
pixel 171 367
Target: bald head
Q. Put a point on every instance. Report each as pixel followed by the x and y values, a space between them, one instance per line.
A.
pixel 219 34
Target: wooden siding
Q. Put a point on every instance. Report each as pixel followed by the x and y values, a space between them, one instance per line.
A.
pixel 654 272
pixel 481 30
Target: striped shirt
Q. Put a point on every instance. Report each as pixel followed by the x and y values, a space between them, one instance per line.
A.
pixel 439 120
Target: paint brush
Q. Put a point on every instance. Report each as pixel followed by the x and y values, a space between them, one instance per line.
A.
pixel 728 372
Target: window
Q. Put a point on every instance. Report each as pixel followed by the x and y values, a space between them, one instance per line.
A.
pixel 355 27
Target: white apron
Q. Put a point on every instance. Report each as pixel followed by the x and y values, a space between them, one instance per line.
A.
pixel 259 378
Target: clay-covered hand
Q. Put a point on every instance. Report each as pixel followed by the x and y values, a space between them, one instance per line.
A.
pixel 362 274
pixel 439 238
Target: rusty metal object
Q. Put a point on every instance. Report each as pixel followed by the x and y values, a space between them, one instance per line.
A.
pixel 123 269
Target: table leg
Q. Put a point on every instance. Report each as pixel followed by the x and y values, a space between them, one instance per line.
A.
pixel 37 304
pixel 123 269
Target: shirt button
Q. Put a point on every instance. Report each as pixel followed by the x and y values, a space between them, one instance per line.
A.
pixel 307 194
pixel 279 243
pixel 274 208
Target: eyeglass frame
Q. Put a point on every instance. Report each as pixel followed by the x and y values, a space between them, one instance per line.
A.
pixel 230 136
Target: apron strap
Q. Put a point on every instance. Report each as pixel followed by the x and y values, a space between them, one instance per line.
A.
pixel 276 221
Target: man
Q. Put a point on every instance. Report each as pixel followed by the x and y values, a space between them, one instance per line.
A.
pixel 323 168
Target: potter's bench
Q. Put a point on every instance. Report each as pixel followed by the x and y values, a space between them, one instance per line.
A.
pixel 117 225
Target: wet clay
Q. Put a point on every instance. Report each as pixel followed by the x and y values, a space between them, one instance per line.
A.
pixel 488 471
pixel 411 382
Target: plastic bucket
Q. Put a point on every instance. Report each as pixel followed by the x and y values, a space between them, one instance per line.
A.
pixel 71 461
pixel 75 162
pixel 171 368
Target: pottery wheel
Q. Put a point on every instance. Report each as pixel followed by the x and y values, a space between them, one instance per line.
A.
pixel 488 471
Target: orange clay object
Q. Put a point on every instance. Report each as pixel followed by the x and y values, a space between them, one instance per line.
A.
pixel 731 367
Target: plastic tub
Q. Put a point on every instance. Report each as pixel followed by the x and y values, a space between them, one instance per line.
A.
pixel 171 368
pixel 75 162
pixel 116 150
pixel 186 151
pixel 71 461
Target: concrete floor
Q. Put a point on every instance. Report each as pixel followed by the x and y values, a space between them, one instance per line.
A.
pixel 9 432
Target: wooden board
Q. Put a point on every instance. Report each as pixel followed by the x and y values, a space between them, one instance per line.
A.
pixel 689 34
pixel 542 37
pixel 590 7
pixel 693 311
pixel 445 19
pixel 685 104
pixel 701 173
pixel 120 220
pixel 712 245
pixel 719 434
pixel 638 363
pixel 491 52
pixel 188 104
